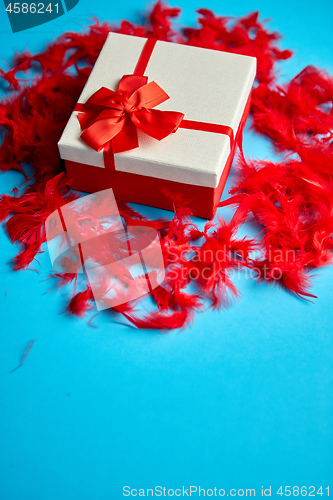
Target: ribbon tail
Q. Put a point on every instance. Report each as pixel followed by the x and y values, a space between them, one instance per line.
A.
pixel 127 138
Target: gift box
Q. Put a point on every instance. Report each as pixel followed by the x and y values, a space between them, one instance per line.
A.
pixel 157 119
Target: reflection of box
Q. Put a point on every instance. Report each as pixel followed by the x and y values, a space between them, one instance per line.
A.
pixel 210 87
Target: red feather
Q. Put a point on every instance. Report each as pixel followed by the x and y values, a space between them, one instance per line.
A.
pixel 291 200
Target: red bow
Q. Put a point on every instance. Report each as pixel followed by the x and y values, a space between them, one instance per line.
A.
pixel 109 115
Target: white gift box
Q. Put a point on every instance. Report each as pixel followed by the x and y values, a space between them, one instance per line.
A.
pixel 210 87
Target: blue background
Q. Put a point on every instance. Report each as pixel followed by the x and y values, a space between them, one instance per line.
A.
pixel 242 399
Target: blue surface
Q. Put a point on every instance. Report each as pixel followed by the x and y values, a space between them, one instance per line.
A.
pixel 242 399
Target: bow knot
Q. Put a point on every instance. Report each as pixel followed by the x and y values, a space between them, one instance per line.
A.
pixel 116 116
pixel 128 108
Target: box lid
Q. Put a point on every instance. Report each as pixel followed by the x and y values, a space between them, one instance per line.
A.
pixel 206 85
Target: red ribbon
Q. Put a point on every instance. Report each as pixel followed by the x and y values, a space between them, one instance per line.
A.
pixel 110 120
pixel 116 116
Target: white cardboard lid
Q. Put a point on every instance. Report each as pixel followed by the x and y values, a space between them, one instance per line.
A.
pixel 206 85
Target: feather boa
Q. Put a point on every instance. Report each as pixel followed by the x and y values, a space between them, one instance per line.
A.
pixel 291 200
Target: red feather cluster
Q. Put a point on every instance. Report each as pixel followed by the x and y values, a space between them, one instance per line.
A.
pixel 291 200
